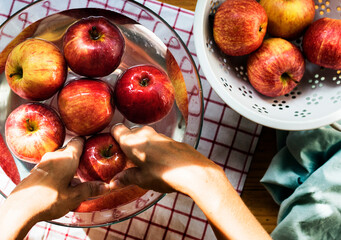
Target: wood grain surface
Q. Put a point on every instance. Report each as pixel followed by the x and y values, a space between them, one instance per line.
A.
pixel 254 194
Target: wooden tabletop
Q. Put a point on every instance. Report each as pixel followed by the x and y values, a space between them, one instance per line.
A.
pixel 254 194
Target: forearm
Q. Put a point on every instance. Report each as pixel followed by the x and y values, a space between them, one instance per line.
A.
pixel 223 207
pixel 15 222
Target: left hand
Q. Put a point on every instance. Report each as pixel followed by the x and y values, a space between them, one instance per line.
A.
pixel 47 192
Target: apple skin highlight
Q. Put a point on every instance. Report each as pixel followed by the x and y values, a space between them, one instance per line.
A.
pixel 144 94
pixel 276 67
pixel 32 130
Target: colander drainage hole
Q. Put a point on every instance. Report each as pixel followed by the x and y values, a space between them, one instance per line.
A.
pixel 245 92
pixel 293 94
pixel 225 83
pixel 260 109
pixel 280 104
pixel 304 113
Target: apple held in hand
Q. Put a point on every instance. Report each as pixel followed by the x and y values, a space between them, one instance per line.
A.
pixel 102 158
pixel 322 43
pixel 239 26
pixel 93 47
pixel 33 129
pixel 288 19
pixel 144 94
pixel 276 67
pixel 35 69
pixel 86 106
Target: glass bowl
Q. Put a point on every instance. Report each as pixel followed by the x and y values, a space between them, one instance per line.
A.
pixel 149 39
pixel 315 102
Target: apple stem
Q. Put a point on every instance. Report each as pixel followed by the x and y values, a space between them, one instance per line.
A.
pixel 106 152
pixel 94 34
pixel 29 126
pixel 19 73
pixel 144 82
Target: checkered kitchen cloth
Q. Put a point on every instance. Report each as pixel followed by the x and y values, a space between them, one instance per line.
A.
pixel 227 138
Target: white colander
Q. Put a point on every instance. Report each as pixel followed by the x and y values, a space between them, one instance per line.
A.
pixel 315 102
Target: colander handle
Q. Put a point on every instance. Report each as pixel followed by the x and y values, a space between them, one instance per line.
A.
pixel 336 126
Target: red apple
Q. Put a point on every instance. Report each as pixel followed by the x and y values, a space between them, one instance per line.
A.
pixel 35 69
pixel 276 67
pixel 322 43
pixel 288 19
pixel 112 200
pixel 93 47
pixel 33 129
pixel 144 94
pixel 239 26
pixel 102 158
pixel 7 162
pixel 86 106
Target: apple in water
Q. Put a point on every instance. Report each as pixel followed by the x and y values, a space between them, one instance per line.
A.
pixel 288 19
pixel 93 47
pixel 276 67
pixel 102 158
pixel 7 162
pixel 144 94
pixel 239 26
pixel 86 106
pixel 322 43
pixel 112 200
pixel 35 69
pixel 33 129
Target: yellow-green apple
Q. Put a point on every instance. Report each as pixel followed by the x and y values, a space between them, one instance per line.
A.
pixel 144 94
pixel 239 26
pixel 288 19
pixel 93 47
pixel 276 67
pixel 322 43
pixel 35 69
pixel 178 82
pixel 22 36
pixel 102 158
pixel 86 106
pixel 33 129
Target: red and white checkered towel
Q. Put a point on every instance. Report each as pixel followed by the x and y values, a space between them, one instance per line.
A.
pixel 227 138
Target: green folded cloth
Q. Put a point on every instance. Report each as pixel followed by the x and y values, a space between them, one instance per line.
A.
pixel 305 179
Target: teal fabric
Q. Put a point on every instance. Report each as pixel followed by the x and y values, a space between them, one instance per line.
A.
pixel 305 179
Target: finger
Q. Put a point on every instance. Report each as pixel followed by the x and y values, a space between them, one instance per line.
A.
pixel 75 147
pixel 86 190
pixel 127 177
pixel 118 131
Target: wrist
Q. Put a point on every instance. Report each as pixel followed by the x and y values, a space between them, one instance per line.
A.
pixel 197 179
pixel 15 219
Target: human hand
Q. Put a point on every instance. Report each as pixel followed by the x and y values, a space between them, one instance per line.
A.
pixel 163 164
pixel 47 192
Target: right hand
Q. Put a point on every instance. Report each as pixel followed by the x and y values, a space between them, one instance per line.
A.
pixel 163 164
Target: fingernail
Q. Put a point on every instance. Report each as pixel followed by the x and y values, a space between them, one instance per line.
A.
pixel 78 138
pixel 116 184
pixel 115 125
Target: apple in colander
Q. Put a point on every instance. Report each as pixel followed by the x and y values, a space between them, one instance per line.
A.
pixel 288 19
pixel 322 43
pixel 276 67
pixel 239 26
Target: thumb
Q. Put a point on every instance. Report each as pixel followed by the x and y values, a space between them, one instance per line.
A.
pixel 86 190
pixel 127 177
